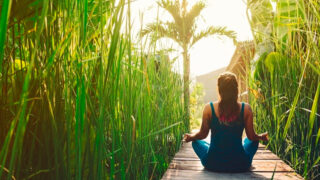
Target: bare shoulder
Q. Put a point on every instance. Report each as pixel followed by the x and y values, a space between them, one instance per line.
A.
pixel 215 102
pixel 247 105
pixel 207 114
pixel 247 109
pixel 207 108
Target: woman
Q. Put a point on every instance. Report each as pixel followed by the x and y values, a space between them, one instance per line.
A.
pixel 226 118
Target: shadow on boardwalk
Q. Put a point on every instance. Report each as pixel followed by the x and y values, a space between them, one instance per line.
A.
pixel 186 165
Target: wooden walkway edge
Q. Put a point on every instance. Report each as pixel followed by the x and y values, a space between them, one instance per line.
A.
pixel 186 165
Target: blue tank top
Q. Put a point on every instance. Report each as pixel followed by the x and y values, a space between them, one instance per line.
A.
pixel 226 151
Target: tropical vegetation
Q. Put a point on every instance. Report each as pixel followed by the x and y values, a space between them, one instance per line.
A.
pixel 184 31
pixel 80 98
pixel 285 79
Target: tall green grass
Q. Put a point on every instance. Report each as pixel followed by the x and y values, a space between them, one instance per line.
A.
pixel 285 81
pixel 196 106
pixel 80 99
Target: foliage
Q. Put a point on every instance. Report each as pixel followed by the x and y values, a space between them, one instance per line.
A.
pixel 78 99
pixel 196 106
pixel 288 80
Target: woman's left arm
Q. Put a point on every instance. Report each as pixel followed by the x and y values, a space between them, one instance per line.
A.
pixel 204 130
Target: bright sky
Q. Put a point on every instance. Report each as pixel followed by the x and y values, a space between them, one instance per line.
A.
pixel 210 53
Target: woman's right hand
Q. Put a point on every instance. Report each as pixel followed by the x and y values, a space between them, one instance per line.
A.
pixel 188 137
pixel 264 136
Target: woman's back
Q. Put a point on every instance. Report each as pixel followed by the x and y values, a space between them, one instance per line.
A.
pixel 226 152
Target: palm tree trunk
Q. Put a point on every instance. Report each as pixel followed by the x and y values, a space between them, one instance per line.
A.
pixel 186 74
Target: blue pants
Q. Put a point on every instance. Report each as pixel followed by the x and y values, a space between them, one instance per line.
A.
pixel 202 147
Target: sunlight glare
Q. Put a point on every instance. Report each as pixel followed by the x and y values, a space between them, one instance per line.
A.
pixel 210 53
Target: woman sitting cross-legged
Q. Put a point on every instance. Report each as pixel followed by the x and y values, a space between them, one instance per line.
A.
pixel 226 118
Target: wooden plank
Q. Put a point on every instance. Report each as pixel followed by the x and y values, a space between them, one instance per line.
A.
pixel 266 154
pixel 257 165
pixel 187 165
pixel 207 175
pixel 190 150
pixel 261 146
pixel 258 156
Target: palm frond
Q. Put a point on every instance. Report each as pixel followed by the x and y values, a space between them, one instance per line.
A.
pixel 195 11
pixel 174 8
pixel 220 31
pixel 190 20
pixel 162 30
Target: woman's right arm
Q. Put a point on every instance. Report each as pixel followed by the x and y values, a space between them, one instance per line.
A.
pixel 251 134
pixel 205 126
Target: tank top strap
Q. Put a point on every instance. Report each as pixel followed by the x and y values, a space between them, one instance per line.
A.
pixel 242 111
pixel 212 109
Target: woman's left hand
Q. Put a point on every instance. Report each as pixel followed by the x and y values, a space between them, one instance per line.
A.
pixel 188 137
pixel 264 136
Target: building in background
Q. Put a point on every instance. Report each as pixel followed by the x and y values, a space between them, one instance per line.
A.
pixel 239 64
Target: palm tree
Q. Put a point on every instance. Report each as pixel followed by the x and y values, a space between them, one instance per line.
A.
pixel 182 30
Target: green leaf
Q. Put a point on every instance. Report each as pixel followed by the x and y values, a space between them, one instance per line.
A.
pixel 313 111
pixel 314 68
pixel 5 12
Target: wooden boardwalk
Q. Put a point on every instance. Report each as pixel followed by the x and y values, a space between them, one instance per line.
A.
pixel 186 165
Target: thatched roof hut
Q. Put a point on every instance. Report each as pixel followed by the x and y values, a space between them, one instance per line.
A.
pixel 239 65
